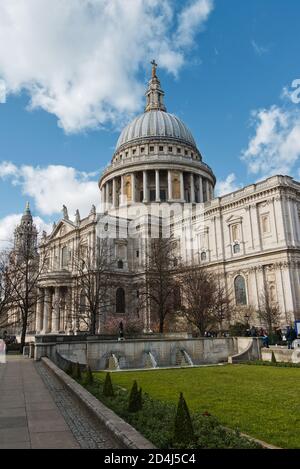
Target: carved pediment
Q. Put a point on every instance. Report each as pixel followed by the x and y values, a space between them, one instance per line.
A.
pixel 62 228
pixel 234 220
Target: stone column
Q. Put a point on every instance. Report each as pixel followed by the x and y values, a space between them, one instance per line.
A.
pixel 208 190
pixel 181 187
pixel 39 311
pixel 157 186
pixel 104 196
pixel 256 227
pixel 114 193
pixel 47 306
pixel 122 191
pixel 192 188
pixel 133 196
pixel 169 186
pixel 200 190
pixel 145 187
pixel 102 200
pixel 55 314
pixel 291 220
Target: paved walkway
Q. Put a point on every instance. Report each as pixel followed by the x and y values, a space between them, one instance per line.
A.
pixel 37 412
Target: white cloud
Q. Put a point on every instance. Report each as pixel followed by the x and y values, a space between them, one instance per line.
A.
pixel 191 19
pixel 259 50
pixel 2 92
pixel 8 225
pixel 275 145
pixel 227 185
pixel 53 186
pixel 80 59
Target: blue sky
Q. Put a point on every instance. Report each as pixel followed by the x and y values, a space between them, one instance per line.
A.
pixel 227 68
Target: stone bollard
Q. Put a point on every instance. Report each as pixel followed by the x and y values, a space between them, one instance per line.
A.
pixel 31 350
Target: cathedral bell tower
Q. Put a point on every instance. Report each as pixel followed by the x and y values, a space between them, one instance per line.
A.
pixel 25 236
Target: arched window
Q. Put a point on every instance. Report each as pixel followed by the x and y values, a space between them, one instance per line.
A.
pixel 272 293
pixel 120 301
pixel 82 303
pixel 236 248
pixel 64 257
pixel 120 264
pixel 128 190
pixel 176 186
pixel 240 290
pixel 265 221
pixel 203 256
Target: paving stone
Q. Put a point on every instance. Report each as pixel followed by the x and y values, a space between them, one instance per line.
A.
pixel 53 440
pixel 12 422
pixel 88 432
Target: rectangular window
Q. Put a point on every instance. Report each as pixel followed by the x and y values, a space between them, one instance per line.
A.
pixel 152 195
pixel 178 150
pixel 170 149
pixel 142 149
pixel 161 148
pixel 152 149
pixel 137 253
pixel 163 196
pixel 185 152
pixel 134 151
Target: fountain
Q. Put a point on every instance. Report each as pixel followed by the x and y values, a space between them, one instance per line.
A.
pixel 153 361
pixel 187 358
pixel 113 362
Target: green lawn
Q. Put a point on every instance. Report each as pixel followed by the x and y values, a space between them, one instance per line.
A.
pixel 261 401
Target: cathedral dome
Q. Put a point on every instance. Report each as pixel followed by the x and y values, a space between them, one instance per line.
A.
pixel 156 123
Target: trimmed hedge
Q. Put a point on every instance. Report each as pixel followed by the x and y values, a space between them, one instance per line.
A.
pixel 156 420
pixel 278 364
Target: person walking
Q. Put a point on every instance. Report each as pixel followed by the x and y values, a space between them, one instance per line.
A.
pixel 2 351
pixel 290 336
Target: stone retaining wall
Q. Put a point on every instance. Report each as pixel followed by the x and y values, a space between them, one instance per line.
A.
pixel 131 354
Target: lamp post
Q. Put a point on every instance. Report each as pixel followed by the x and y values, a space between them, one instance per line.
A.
pixel 247 317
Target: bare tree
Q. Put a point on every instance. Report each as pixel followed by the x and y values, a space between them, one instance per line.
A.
pixel 222 308
pixel 4 289
pixel 206 302
pixel 23 272
pixel 160 277
pixel 268 313
pixel 198 288
pixel 93 282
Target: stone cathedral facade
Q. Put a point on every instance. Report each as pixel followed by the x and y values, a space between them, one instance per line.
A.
pixel 251 237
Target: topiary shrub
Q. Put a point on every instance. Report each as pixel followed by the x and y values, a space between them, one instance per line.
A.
pixel 108 390
pixel 69 369
pixel 140 398
pixel 76 371
pixel 183 428
pixel 89 378
pixel 135 398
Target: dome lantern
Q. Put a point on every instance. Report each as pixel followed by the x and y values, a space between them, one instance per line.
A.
pixel 154 94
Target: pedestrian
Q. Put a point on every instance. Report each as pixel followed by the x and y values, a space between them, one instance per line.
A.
pixel 2 351
pixel 290 336
pixel 265 340
pixel 253 332
pixel 121 331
